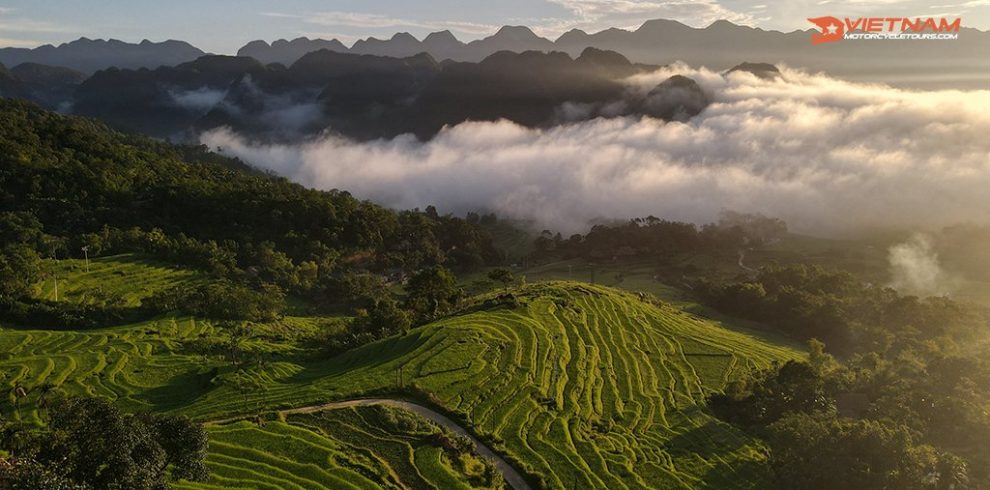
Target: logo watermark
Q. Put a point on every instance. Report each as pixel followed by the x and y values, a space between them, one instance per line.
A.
pixel 885 28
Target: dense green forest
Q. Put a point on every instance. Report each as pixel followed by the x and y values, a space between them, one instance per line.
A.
pixel 906 402
pixel 660 238
pixel 70 187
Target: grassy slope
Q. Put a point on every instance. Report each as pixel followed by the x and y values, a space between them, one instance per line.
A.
pixel 580 385
pixel 346 448
pixel 125 279
pixel 584 385
pixel 142 366
pixel 640 275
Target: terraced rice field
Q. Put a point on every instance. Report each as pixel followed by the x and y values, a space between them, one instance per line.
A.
pixel 123 280
pixel 581 386
pixel 578 386
pixel 348 448
pixel 142 367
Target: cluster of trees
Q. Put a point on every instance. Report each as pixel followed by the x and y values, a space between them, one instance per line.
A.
pixel 68 183
pixel 68 316
pixel 655 237
pixel 431 293
pixel 221 300
pixel 915 421
pixel 20 264
pixel 89 444
pixel 905 409
pixel 833 306
pixel 812 451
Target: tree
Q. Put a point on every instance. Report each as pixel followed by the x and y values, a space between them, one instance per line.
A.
pixel 274 266
pixel 384 319
pixel 89 442
pixel 821 452
pixel 502 275
pixel 221 300
pixel 432 292
pixel 795 387
pixel 352 290
pixel 822 362
pixel 98 446
pixel 25 474
pixel 20 268
pixel 21 228
pixel 185 445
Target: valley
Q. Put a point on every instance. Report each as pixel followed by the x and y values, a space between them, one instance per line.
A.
pixel 652 256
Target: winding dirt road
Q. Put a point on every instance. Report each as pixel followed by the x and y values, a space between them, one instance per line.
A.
pixel 512 477
pixel 742 255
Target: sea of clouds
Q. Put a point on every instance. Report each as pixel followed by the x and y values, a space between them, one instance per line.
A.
pixel 827 156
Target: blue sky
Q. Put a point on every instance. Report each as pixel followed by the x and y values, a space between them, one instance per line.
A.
pixel 222 26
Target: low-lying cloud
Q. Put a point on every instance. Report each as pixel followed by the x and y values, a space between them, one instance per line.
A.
pixel 199 100
pixel 823 154
pixel 915 268
pixel 281 115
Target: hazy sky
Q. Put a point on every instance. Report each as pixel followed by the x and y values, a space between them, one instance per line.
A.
pixel 222 26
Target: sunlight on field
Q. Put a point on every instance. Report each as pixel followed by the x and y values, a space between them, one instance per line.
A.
pixel 575 384
pixel 120 280
pixel 351 448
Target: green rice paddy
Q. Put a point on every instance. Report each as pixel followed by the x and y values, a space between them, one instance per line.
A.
pixel 579 386
pixel 348 448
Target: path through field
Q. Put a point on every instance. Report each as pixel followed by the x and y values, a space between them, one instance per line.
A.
pixel 742 256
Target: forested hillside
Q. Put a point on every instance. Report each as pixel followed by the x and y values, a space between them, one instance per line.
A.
pixel 70 187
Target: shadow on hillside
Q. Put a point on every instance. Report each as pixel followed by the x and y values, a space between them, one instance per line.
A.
pixel 367 357
pixel 715 442
pixel 728 476
pixel 710 439
pixel 180 391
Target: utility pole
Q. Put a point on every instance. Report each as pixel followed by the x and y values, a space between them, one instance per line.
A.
pixel 55 272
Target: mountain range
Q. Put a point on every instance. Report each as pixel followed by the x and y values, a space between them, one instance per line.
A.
pixel 367 97
pixel 382 88
pixel 90 55
pixel 960 63
pixel 957 63
pixel 50 86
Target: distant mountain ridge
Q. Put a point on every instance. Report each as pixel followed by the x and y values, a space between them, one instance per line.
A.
pixel 368 97
pixel 288 52
pixel 10 86
pixel 960 63
pixel 50 86
pixel 90 55
pixel 719 46
pixel 442 45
